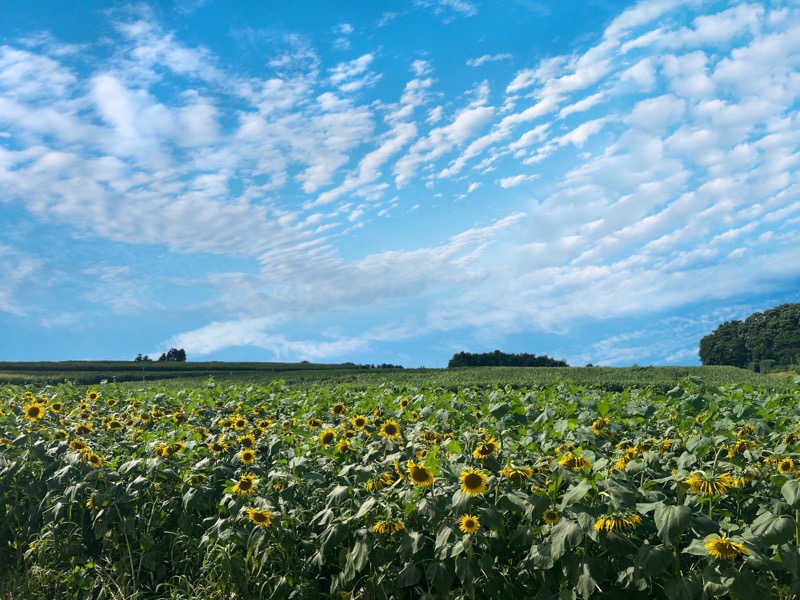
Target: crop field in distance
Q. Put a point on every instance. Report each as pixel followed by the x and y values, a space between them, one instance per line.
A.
pixel 411 484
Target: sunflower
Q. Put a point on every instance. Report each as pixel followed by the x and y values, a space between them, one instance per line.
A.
pixel 114 425
pixel 57 406
pixel 599 425
pixel 179 417
pixel 431 437
pixel 403 402
pixel 78 445
pixel 239 422
pixel 617 523
pixel 387 527
pixel 421 453
pixel 92 395
pixel 469 524
pixel 327 437
pixel 339 409
pixel 34 411
pixel 359 422
pixel 218 447
pixel 245 485
pixel 517 474
pixel 710 485
pixel 279 485
pixel 344 446
pixel 786 466
pixel 247 441
pixel 722 547
pixel 84 428
pixel 196 480
pixel 390 429
pixel 486 449
pixel 60 435
pixel 93 459
pixel 473 482
pixel 419 474
pixel 247 456
pixel 262 518
pixel 551 517
pixel 314 423
pixel 112 402
pixel 572 462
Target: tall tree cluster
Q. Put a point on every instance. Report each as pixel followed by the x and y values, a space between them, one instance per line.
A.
pixel 772 335
pixel 497 358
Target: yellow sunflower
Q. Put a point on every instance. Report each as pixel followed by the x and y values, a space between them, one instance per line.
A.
pixel 339 409
pixel 93 459
pixel 247 456
pixel 419 474
pixel 710 485
pixel 218 447
pixel 247 441
pixel 572 462
pixel 469 524
pixel 359 422
pixel 83 428
pixel 34 411
pixel 599 425
pixel 262 518
pixel 92 395
pixel 239 422
pixel 486 449
pixel 344 446
pixel 327 437
pixel 786 466
pixel 473 482
pixel 314 423
pixel 722 547
pixel 390 429
pixel 517 474
pixel 245 485
pixel 78 445
pixel 196 480
pixel 57 406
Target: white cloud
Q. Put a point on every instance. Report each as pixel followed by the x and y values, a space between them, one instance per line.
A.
pixel 485 58
pixel 515 180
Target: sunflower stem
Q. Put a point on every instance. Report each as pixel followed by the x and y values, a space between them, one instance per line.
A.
pixel 797 527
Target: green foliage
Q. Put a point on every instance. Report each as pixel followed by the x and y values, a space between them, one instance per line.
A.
pixel 770 335
pixel 501 359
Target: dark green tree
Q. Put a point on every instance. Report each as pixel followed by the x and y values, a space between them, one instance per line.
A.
pixel 725 346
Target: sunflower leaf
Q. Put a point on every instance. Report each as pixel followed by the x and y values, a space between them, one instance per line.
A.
pixel 671 521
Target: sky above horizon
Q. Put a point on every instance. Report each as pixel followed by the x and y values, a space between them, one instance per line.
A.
pixel 595 180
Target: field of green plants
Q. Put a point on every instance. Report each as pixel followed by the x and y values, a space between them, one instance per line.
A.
pixel 558 491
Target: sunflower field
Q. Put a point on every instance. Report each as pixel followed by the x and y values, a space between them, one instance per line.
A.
pixel 265 491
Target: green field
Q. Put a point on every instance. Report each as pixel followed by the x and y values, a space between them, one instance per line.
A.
pixel 386 489
pixel 309 374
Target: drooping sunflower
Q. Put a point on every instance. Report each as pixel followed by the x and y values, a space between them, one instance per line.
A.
pixel 785 466
pixel 486 449
pixel 551 517
pixel 359 422
pixel 339 409
pixel 473 482
pixel 517 474
pixel 710 485
pixel 617 523
pixel 60 435
pixel 196 480
pixel 387 527
pixel 34 411
pixel 390 429
pixel 247 456
pixel 722 547
pixel 327 437
pixel 469 524
pixel 245 485
pixel 599 425
pixel 573 462
pixel 262 518
pixel 419 474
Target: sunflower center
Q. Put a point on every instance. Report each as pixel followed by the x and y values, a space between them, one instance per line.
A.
pixel 260 518
pixel 33 411
pixel 473 481
pixel 418 474
pixel 245 484
pixel 390 429
pixel 327 438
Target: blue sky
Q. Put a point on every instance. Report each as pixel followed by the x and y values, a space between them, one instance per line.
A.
pixel 598 181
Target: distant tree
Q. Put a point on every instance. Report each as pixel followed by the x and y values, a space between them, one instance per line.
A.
pixel 772 335
pixel 162 358
pixel 138 358
pixel 497 358
pixel 173 354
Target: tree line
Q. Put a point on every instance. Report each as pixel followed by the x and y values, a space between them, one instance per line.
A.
pixel 497 358
pixel 173 354
pixel 761 342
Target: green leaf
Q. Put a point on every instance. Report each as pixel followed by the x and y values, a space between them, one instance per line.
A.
pixel 565 535
pixel 791 492
pixel 575 494
pixel 682 589
pixel 442 537
pixel 409 576
pixel 366 507
pixel 603 406
pixel 439 576
pixel 671 521
pixel 498 410
pixel 769 529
